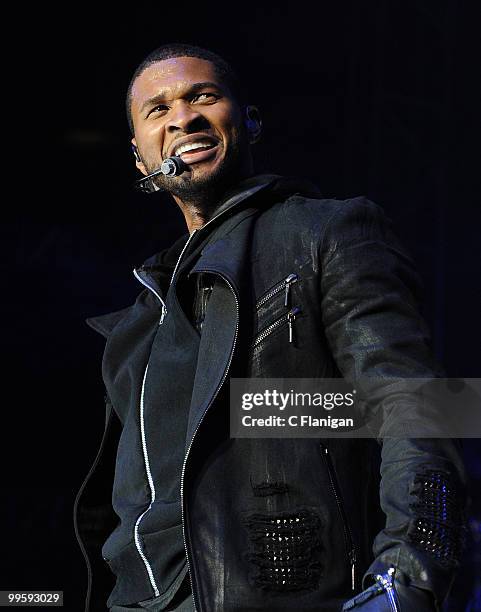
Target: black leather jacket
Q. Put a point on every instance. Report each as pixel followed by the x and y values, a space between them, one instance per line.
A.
pixel 284 524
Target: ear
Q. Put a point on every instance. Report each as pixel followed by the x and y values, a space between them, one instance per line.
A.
pixel 138 160
pixel 253 123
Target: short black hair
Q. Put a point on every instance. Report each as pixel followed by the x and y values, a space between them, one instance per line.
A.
pixel 223 69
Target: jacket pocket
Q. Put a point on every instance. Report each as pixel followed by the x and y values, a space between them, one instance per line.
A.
pixel 285 321
pixel 350 548
pixel 282 288
pixel 204 284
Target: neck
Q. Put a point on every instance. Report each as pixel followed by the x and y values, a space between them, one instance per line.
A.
pixel 196 214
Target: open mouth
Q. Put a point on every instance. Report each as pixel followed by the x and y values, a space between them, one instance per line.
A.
pixel 196 151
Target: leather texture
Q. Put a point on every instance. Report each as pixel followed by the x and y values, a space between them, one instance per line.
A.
pixel 357 296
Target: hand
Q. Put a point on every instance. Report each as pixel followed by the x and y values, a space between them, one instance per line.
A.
pixel 390 595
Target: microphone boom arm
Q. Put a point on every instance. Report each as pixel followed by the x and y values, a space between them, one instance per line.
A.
pixel 171 166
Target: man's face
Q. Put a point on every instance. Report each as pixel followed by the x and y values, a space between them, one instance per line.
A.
pixel 181 107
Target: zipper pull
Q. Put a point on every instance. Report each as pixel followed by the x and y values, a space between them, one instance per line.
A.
pixel 289 280
pixel 164 312
pixel 352 558
pixel 291 315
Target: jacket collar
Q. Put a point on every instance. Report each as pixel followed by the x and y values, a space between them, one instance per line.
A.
pixel 232 199
pixel 242 191
pixel 223 253
pixel 157 271
pixel 278 186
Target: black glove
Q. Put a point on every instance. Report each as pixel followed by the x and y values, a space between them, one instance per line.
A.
pixel 391 595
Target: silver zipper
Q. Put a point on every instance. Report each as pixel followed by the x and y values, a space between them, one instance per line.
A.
pixel 386 582
pixel 291 317
pixel 152 490
pixel 180 256
pixel 288 318
pixel 284 284
pixel 146 284
pixel 142 432
pixel 351 551
pixel 200 422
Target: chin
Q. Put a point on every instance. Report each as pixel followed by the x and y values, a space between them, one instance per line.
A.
pixel 207 168
pixel 210 176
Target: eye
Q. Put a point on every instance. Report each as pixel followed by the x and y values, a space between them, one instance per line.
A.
pixel 208 97
pixel 160 108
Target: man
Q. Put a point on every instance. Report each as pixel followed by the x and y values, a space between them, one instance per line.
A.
pixel 271 281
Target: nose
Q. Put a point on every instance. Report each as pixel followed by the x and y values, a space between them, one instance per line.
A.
pixel 183 117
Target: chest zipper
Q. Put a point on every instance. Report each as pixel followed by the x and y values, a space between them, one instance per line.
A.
pixel 288 318
pixel 192 578
pixel 181 253
pixel 138 543
pixel 150 480
pixel 137 540
pixel 157 295
pixel 285 285
pixel 351 551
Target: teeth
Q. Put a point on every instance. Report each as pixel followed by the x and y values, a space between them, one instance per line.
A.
pixel 191 146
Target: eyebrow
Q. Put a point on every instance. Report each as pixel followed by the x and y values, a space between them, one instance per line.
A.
pixel 196 87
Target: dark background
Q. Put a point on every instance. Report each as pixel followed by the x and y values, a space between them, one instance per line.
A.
pixel 376 98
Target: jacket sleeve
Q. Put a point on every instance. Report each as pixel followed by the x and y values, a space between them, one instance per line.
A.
pixel 370 311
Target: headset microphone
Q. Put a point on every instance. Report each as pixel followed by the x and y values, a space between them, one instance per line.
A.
pixel 171 166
